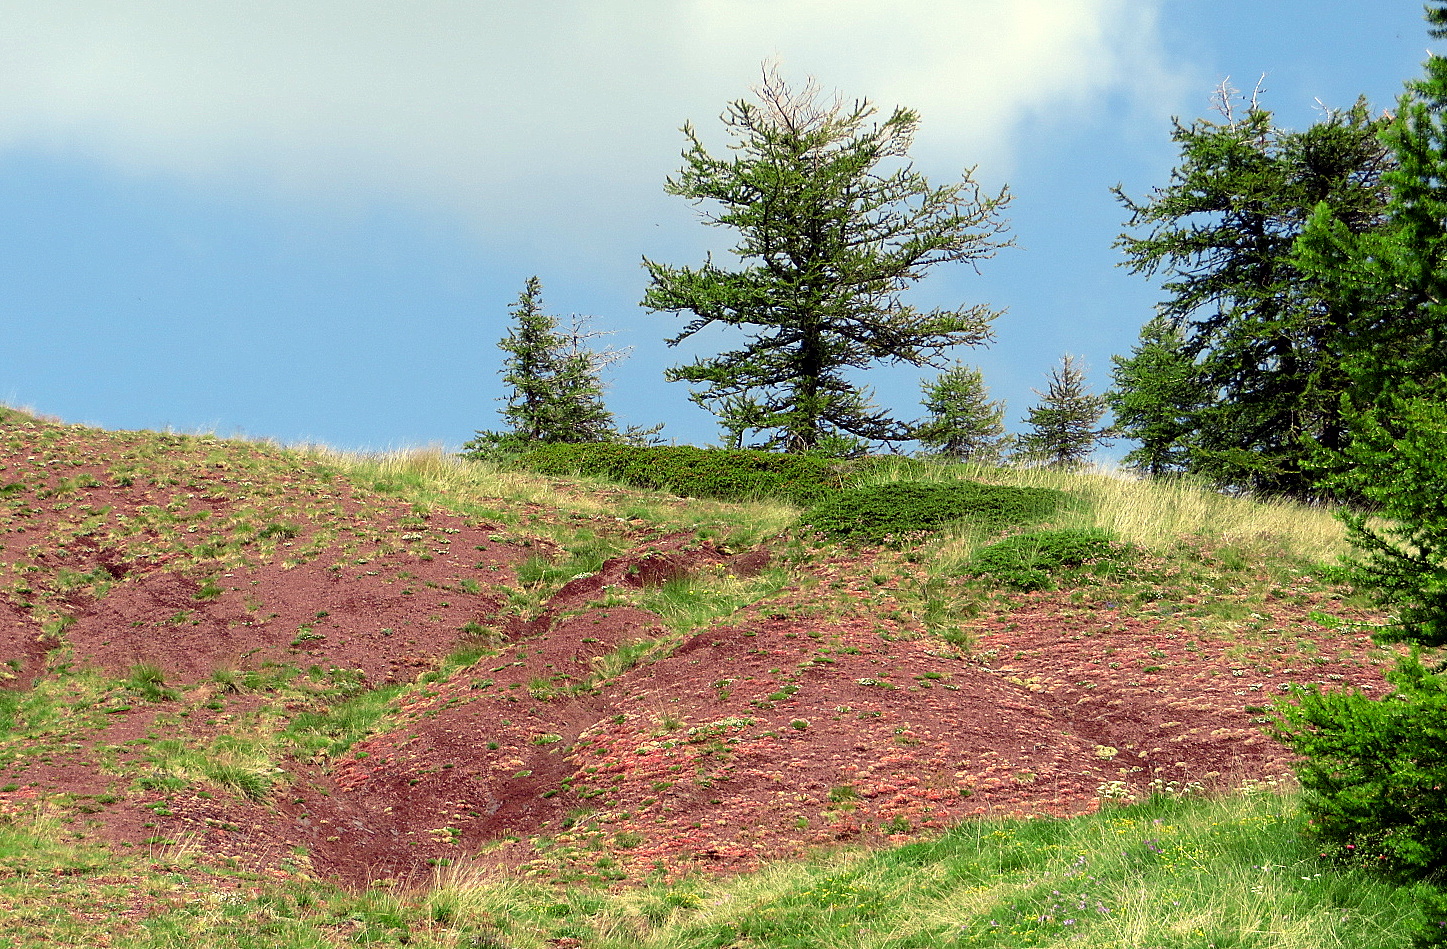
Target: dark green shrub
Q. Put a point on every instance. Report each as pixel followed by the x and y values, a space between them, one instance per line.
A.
pixel 1432 929
pixel 724 474
pixel 1032 561
pixel 896 511
pixel 1375 771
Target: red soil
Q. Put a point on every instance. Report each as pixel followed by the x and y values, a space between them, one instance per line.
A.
pixel 821 716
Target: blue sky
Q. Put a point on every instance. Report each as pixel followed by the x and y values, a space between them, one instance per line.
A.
pixel 305 220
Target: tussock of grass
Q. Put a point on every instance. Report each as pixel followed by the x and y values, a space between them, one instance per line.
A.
pixel 619 660
pixel 148 681
pixel 244 766
pixel 691 602
pixel 585 556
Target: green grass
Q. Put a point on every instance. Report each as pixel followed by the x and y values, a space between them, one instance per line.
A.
pixel 330 730
pixel 1170 873
pixel 1237 872
pixel 241 764
pixel 1171 543
pixel 311 716
pixel 308 717
pixel 1164 874
pixel 693 601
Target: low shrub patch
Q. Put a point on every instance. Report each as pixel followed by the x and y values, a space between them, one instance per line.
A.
pixel 723 474
pixel 1031 561
pixel 1374 771
pixel 893 512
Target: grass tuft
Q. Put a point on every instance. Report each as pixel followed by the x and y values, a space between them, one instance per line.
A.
pixel 149 681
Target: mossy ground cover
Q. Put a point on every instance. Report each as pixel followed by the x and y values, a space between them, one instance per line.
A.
pixel 1035 559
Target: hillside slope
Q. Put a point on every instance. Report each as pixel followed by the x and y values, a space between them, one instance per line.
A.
pixel 254 653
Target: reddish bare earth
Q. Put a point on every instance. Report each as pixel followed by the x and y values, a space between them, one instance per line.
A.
pixel 824 714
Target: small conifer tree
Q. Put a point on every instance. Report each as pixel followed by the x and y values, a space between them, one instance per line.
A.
pixel 556 389
pixel 1155 395
pixel 1064 427
pixel 964 424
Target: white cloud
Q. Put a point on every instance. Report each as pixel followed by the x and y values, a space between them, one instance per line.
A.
pixel 506 111
pixel 973 68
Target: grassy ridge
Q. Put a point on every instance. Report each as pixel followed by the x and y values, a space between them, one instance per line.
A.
pixel 1233 552
pixel 1154 515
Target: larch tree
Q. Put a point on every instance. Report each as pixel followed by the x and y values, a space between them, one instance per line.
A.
pixel 1265 340
pixel 1065 425
pixel 833 226
pixel 963 424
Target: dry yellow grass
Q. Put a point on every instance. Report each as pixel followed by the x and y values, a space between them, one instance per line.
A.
pixel 1158 514
pixel 430 476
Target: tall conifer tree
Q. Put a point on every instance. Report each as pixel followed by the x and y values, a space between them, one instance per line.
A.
pixel 1266 341
pixel 1374 770
pixel 830 235
pixel 1392 282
